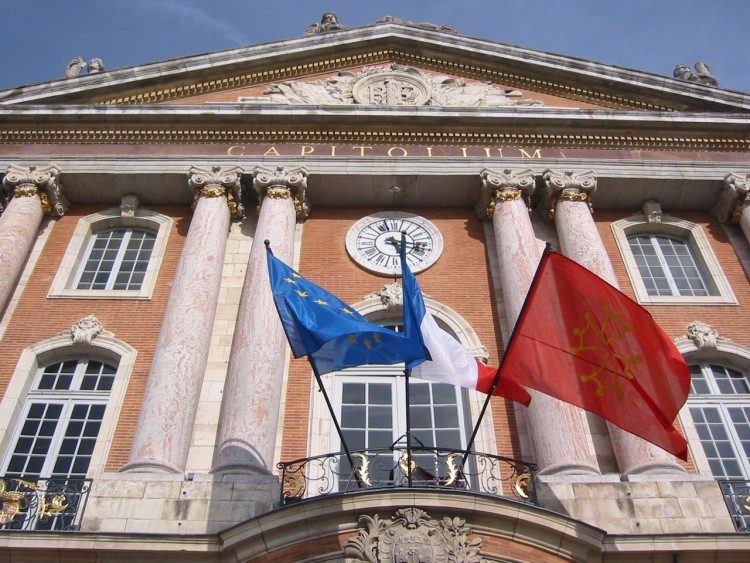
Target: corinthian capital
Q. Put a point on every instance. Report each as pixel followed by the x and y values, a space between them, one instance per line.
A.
pixel 283 183
pixel 734 197
pixel 508 185
pixel 21 181
pixel 217 182
pixel 568 185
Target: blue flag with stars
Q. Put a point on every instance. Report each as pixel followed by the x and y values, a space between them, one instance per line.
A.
pixel 332 334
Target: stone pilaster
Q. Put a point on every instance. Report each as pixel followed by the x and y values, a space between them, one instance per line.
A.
pixel 252 392
pixel 33 192
pixel 165 426
pixel 570 195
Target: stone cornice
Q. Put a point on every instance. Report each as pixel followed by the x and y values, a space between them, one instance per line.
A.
pixel 470 57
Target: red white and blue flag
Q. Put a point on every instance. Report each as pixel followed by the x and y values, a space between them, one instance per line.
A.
pixel 447 360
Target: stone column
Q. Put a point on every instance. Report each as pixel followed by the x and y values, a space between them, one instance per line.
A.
pixel 33 192
pixel 734 202
pixel 252 393
pixel 556 428
pixel 165 426
pixel 569 196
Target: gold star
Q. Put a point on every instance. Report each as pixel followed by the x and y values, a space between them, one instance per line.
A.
pixel 291 281
pixel 321 302
pixel 347 311
pixel 300 293
pixel 376 337
pixel 368 344
pixel 352 339
pixel 296 275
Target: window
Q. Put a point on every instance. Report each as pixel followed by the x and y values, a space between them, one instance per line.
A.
pixel 116 259
pixel 667 266
pixel 719 404
pixel 61 421
pixel 113 256
pixel 670 261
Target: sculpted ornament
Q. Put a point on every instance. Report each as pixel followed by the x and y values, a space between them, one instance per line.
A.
pixel 283 183
pixel 29 181
pixel 568 185
pixel 651 210
pixel 217 182
pixel 508 185
pixel 85 330
pixel 391 85
pixel 703 336
pixel 411 536
pixel 702 74
pixel 734 198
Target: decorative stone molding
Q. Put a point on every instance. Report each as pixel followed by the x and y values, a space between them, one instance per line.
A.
pixel 507 185
pixel 216 183
pixel 568 185
pixel 411 535
pixel 390 295
pixel 703 336
pixel 29 181
pixel 734 198
pixel 391 85
pixel 129 204
pixel 651 210
pixel 702 74
pixel 85 330
pixel 283 183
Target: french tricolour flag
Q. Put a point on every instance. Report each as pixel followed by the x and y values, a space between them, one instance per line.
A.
pixel 449 361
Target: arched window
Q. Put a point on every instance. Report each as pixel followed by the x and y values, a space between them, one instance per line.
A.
pixel 668 266
pixel 719 404
pixel 669 260
pixel 61 419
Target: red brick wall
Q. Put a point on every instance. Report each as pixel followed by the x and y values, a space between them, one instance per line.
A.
pixel 136 322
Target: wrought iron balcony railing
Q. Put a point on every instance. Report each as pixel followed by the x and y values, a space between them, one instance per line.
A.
pixel 392 467
pixel 42 504
pixel 737 496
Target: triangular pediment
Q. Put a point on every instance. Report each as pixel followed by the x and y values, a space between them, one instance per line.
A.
pixel 456 69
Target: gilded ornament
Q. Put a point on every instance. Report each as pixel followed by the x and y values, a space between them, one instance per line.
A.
pixel 504 186
pixel 277 192
pixel 362 472
pixel 217 182
pixel 522 485
pixel 29 181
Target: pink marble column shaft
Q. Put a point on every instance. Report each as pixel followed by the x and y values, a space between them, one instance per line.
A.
pixel 20 221
pixel 556 428
pixel 165 426
pixel 252 392
pixel 580 241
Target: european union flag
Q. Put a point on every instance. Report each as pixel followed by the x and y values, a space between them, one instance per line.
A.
pixel 332 334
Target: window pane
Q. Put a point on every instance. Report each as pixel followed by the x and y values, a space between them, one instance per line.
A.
pixel 114 256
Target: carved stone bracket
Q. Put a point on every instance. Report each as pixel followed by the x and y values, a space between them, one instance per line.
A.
pixel 20 181
pixel 217 182
pixel 129 204
pixel 507 185
pixel 283 183
pixel 411 535
pixel 703 336
pixel 568 185
pixel 85 330
pixel 651 210
pixel 734 198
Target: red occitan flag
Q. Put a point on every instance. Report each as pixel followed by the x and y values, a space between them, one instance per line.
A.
pixel 584 342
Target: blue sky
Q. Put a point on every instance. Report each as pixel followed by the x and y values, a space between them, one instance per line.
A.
pixel 40 37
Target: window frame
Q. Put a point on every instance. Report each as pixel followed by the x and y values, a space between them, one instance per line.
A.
pixel 77 253
pixel 703 254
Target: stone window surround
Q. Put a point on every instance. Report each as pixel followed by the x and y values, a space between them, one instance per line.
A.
pixel 725 353
pixel 60 348
pixel 111 219
pixel 374 310
pixel 704 256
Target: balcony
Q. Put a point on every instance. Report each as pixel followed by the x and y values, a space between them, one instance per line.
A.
pixel 42 504
pixel 421 468
pixel 737 497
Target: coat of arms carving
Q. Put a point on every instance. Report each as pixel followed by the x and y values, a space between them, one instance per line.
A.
pixel 411 536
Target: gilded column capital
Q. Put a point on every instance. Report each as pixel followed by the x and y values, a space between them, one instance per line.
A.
pixel 216 183
pixel 283 183
pixel 508 185
pixel 734 198
pixel 22 181
pixel 568 185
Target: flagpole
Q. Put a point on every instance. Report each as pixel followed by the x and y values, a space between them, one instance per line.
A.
pixel 407 375
pixel 496 379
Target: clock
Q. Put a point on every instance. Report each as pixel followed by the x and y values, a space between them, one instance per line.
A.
pixel 374 241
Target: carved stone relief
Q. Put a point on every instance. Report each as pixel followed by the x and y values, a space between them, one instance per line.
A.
pixel 85 330
pixel 391 85
pixel 703 336
pixel 411 536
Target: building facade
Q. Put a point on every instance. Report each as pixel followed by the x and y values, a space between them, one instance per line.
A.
pixel 150 405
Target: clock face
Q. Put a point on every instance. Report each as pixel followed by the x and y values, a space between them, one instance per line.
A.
pixel 374 242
